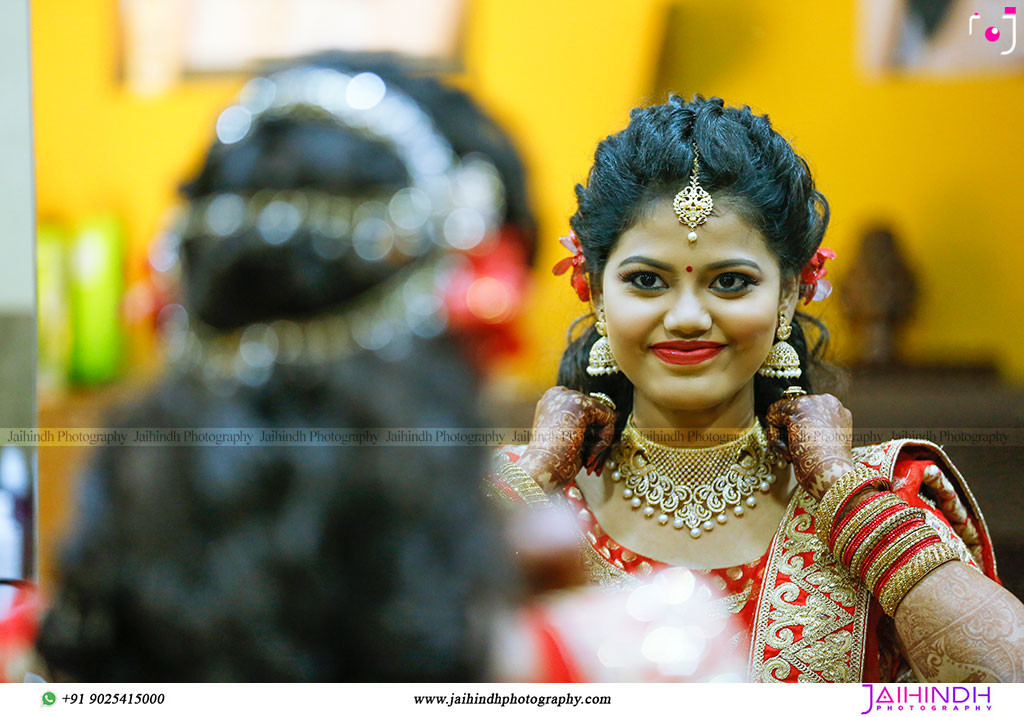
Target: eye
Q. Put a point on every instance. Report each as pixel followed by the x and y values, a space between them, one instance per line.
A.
pixel 644 280
pixel 732 283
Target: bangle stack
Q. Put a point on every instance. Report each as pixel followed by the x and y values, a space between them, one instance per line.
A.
pixel 836 498
pixel 883 541
pixel 523 483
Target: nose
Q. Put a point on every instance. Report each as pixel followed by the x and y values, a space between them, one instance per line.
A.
pixel 688 316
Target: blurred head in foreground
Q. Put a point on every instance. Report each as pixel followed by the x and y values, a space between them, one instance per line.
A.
pixel 320 237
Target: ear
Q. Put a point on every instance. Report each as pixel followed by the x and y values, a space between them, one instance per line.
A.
pixel 789 297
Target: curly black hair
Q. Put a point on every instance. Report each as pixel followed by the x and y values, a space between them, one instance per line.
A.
pixel 743 162
pixel 283 562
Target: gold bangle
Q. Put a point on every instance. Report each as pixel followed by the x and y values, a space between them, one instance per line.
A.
pixel 909 575
pixel 862 517
pixel 522 483
pixel 840 492
pixel 894 551
pixel 880 533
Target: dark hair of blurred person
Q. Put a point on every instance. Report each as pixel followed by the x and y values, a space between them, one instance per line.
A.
pixel 195 562
pixel 463 122
pixel 486 295
pixel 487 289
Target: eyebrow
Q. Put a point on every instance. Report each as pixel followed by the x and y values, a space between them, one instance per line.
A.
pixel 637 259
pixel 734 262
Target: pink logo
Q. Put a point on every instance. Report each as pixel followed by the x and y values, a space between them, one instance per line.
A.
pixel 992 34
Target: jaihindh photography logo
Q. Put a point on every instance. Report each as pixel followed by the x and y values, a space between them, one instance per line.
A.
pixel 921 698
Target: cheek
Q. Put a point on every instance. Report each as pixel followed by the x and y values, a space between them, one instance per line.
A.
pixel 631 326
pixel 748 331
pixel 629 318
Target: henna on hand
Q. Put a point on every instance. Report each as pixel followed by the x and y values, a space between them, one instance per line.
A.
pixel 956 625
pixel 557 450
pixel 818 438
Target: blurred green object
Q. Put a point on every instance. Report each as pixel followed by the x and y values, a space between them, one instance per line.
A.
pixel 54 313
pixel 96 288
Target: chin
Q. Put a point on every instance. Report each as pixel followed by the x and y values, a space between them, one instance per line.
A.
pixel 692 403
pixel 696 393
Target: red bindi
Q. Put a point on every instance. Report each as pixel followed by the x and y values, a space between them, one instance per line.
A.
pixel 689 268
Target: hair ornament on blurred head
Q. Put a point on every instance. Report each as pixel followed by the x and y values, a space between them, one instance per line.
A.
pixel 813 285
pixel 693 205
pixel 375 227
pixel 385 320
pixel 462 198
pixel 451 205
pixel 577 261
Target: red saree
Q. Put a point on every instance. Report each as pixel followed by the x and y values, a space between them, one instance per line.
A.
pixel 802 618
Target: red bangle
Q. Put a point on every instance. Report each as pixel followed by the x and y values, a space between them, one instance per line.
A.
pixel 904 559
pixel 870 482
pixel 865 531
pixel 891 538
pixel 838 528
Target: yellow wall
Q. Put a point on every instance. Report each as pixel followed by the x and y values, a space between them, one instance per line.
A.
pixel 938 158
pixel 98 146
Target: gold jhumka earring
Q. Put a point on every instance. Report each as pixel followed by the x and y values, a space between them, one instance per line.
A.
pixel 602 362
pixel 693 204
pixel 782 361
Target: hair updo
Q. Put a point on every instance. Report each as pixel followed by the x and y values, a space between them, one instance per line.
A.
pixel 285 561
pixel 744 163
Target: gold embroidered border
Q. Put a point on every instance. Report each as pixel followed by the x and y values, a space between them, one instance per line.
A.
pixel 806 617
pixel 871 455
pixel 960 483
pixel 879 456
pixel 731 604
pixel 599 570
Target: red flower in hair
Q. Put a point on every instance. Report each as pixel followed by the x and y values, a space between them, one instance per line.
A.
pixel 813 286
pixel 577 261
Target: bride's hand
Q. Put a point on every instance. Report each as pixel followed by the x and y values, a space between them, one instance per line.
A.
pixel 817 437
pixel 559 446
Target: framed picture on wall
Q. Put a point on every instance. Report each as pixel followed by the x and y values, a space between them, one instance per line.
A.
pixel 163 41
pixel 940 37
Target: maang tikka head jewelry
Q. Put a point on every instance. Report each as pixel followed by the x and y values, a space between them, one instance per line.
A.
pixel 693 204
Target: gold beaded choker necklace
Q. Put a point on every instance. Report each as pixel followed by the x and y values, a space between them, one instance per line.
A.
pixel 692 488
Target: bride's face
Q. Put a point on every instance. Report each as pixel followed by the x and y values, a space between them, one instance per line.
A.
pixel 660 291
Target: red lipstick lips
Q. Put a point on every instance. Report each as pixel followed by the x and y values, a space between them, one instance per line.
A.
pixel 686 352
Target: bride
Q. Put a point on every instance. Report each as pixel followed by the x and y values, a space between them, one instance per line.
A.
pixel 684 430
